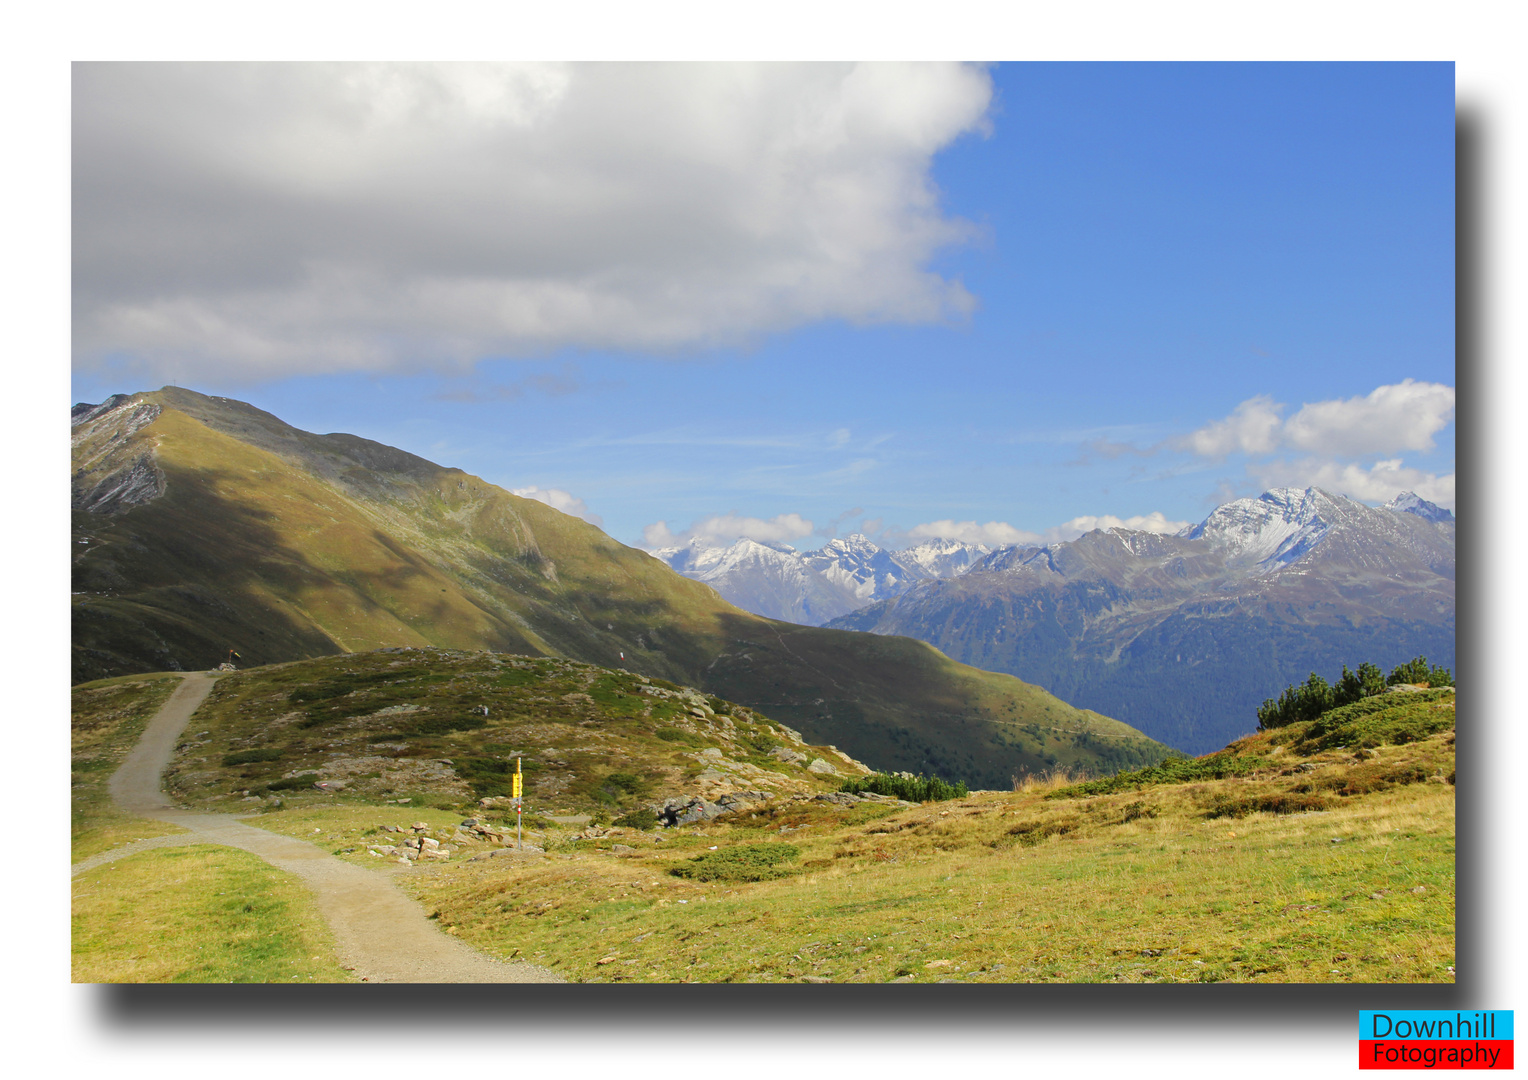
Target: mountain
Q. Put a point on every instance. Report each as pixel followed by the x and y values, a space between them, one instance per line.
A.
pixel 203 525
pixel 1184 636
pixel 1409 503
pixel 815 587
pixel 767 579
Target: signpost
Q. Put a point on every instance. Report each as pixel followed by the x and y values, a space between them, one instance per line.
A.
pixel 518 809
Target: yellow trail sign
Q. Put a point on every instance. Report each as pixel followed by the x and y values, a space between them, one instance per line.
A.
pixel 517 779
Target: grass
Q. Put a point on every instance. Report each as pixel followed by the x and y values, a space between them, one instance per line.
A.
pixel 409 725
pixel 198 914
pixel 1234 879
pixel 1284 858
pixel 107 718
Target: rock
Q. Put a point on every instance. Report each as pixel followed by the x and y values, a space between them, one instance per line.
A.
pixel 508 852
pixel 815 979
pixel 821 768
pixel 470 822
pixel 1420 889
pixel 790 757
pixel 710 752
pixel 429 842
pixel 420 826
pixel 621 848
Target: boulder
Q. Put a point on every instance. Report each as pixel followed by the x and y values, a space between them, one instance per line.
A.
pixel 821 768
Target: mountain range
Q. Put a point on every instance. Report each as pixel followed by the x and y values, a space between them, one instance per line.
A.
pixel 815 587
pixel 1183 636
pixel 204 528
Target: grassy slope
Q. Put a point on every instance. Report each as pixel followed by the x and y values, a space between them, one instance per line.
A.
pixel 1152 882
pixel 107 718
pixel 284 545
pixel 406 724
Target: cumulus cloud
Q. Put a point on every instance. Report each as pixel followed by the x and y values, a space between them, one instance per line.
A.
pixel 1376 483
pixel 1330 434
pixel 1154 522
pixel 722 529
pixel 558 499
pixel 1402 416
pixel 273 219
pixel 1253 428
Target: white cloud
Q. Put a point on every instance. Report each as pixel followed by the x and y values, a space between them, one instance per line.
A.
pixel 1154 522
pixel 1401 416
pixel 558 499
pixel 261 220
pixel 1251 429
pixel 993 533
pixel 720 529
pixel 1404 416
pixel 1377 483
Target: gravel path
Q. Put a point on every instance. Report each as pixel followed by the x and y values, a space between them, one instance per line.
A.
pixel 381 933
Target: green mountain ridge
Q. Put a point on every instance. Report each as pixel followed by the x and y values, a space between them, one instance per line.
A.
pixel 202 524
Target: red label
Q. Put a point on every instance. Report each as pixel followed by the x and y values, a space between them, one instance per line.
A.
pixel 1464 1054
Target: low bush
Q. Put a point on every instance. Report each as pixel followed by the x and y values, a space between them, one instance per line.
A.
pixel 1216 766
pixel 673 734
pixel 446 726
pixel 640 818
pixel 902 786
pixel 1030 833
pixel 1386 720
pixel 745 862
pixel 1273 803
pixel 292 783
pixel 249 757
pixel 1367 779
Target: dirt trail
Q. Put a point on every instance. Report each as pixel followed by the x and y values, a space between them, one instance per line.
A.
pixel 380 932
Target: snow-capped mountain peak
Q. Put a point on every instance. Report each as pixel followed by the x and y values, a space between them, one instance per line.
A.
pixel 1276 528
pixel 1409 502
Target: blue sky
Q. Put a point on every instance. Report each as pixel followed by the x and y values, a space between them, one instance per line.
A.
pixel 994 303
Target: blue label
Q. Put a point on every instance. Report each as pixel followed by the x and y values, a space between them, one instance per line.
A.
pixel 1412 1025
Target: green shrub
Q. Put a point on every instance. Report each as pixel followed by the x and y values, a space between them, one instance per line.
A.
pixel 1179 770
pixel 1030 833
pixel 291 783
pixel 1314 697
pixel 1387 720
pixel 446 726
pixel 673 734
pixel 249 757
pixel 1274 803
pixel 640 818
pixel 912 788
pixel 1418 671
pixel 748 862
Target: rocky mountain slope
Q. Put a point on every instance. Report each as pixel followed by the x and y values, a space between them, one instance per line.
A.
pixel 1184 636
pixel 203 525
